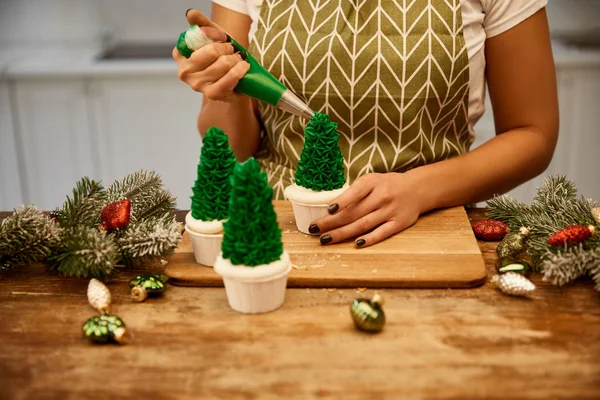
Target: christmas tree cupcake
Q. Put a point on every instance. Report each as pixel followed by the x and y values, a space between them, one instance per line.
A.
pixel 320 175
pixel 252 262
pixel 210 199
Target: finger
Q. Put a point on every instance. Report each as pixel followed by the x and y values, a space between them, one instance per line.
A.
pixel 177 56
pixel 221 67
pixel 216 35
pixel 207 55
pixel 359 227
pixel 224 87
pixel 195 17
pixel 381 233
pixel 346 216
pixel 355 193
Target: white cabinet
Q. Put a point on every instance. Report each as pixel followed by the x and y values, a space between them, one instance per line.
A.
pixel 148 122
pixel 11 195
pixel 57 145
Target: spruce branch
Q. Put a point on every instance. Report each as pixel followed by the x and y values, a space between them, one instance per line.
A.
pixel 594 272
pixel 144 190
pixel 154 237
pixel 568 264
pixel 160 204
pixel 27 236
pixel 82 209
pixel 85 252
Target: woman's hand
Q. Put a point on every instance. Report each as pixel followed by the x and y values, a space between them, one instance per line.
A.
pixel 375 207
pixel 214 69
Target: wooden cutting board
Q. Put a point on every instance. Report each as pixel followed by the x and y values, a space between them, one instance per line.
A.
pixel 440 250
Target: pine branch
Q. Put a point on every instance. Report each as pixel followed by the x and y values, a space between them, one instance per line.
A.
pixel 85 252
pixel 27 236
pixel 594 272
pixel 554 192
pixel 162 203
pixel 144 190
pixel 569 264
pixel 83 208
pixel 154 237
pixel 508 210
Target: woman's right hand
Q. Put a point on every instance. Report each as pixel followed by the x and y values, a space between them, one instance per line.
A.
pixel 214 69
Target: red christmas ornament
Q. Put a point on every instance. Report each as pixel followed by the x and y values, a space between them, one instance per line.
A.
pixel 490 229
pixel 571 235
pixel 116 215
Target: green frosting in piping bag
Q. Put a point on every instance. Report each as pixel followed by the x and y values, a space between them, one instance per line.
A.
pixel 257 83
pixel 212 188
pixel 252 236
pixel 321 165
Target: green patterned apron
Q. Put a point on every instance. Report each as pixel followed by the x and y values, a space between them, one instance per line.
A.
pixel 394 75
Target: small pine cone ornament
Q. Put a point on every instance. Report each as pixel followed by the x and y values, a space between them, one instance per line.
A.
pixel 596 214
pixel 116 215
pixel 367 314
pixel 571 235
pixel 99 296
pixel 514 284
pixel 512 243
pixel 143 286
pixel 490 229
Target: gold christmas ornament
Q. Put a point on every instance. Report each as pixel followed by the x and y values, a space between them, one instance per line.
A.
pixel 514 284
pixel 367 314
pixel 512 243
pixel 596 214
pixel 99 296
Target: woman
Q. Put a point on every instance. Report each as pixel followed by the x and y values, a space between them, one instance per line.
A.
pixel 405 81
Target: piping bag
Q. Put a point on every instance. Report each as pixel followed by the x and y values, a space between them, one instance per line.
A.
pixel 258 83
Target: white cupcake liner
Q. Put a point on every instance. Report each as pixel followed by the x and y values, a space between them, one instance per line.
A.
pixel 206 246
pixel 259 294
pixel 305 214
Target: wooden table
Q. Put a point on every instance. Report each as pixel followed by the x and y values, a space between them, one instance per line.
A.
pixel 437 344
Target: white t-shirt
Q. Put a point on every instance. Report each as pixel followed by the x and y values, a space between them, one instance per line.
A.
pixel 482 19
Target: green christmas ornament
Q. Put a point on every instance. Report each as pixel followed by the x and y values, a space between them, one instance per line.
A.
pixel 509 264
pixel 105 329
pixel 512 243
pixel 143 286
pixel 367 314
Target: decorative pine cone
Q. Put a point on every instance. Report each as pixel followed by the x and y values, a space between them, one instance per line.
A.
pixel 514 284
pixel 490 229
pixel 571 235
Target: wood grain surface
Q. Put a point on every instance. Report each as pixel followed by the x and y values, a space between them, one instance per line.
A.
pixel 437 343
pixel 440 250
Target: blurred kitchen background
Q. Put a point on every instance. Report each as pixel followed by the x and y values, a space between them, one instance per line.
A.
pixel 87 87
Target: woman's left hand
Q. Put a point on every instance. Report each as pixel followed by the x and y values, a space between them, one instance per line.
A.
pixel 375 207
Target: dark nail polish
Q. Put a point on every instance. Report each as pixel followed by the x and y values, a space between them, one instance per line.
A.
pixel 360 242
pixel 332 209
pixel 325 239
pixel 187 11
pixel 314 228
pixel 235 47
pixel 227 38
pixel 243 55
